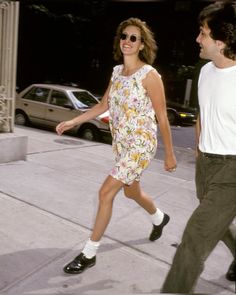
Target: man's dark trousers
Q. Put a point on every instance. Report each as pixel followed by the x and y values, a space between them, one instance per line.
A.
pixel 209 223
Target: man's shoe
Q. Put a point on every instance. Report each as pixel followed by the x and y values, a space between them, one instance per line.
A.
pixel 231 273
pixel 157 229
pixel 79 264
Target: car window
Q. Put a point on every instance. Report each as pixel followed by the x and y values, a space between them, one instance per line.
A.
pixel 37 94
pixel 84 99
pixel 59 98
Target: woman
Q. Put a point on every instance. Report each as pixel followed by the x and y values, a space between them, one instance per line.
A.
pixel 135 98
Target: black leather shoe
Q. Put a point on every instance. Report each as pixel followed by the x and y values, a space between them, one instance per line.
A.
pixel 157 229
pixel 79 264
pixel 231 273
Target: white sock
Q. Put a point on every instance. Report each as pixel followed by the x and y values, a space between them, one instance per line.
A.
pixel 157 217
pixel 90 248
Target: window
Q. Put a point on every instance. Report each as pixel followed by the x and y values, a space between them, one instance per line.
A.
pixel 37 94
pixel 59 98
pixel 84 99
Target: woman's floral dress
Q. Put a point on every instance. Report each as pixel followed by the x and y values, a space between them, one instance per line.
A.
pixel 133 124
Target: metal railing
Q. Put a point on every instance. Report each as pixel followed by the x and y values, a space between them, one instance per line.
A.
pixel 9 18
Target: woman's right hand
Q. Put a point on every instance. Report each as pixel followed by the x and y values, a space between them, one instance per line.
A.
pixel 63 126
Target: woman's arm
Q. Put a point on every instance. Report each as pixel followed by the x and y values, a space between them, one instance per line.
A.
pixel 155 89
pixel 92 113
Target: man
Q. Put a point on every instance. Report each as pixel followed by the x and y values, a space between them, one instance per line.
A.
pixel 216 151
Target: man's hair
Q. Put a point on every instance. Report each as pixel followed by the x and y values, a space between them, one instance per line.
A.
pixel 220 17
pixel 148 53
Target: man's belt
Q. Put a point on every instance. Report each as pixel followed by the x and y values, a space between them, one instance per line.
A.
pixel 217 156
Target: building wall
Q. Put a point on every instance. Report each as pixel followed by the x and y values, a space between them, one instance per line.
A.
pixel 9 11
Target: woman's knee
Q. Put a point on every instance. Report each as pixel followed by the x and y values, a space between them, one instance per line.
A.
pixel 103 194
pixel 106 195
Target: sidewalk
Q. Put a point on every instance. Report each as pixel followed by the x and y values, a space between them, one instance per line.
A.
pixel 47 208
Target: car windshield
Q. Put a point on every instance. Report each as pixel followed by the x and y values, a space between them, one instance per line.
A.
pixel 84 99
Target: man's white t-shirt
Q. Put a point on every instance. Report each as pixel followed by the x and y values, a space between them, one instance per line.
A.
pixel 217 101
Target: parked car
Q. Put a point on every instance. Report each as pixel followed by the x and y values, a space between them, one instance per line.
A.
pixel 180 114
pixel 49 104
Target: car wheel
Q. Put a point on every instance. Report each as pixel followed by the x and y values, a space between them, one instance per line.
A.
pixel 21 118
pixel 89 132
pixel 171 117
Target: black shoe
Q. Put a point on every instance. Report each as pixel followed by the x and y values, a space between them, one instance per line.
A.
pixel 157 229
pixel 79 264
pixel 231 273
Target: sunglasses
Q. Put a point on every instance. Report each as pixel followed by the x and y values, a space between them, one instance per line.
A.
pixel 132 38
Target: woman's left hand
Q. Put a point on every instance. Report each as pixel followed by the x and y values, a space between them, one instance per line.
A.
pixel 170 163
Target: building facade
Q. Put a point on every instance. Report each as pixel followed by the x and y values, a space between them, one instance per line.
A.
pixel 9 15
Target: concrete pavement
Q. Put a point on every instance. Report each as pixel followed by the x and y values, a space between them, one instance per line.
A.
pixel 47 208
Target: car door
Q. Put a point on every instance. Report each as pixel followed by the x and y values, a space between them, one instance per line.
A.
pixel 60 108
pixel 34 103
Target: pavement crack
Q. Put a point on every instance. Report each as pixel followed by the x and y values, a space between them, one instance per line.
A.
pixel 61 149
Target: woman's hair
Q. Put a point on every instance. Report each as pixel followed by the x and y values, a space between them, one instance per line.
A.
pixel 220 17
pixel 148 53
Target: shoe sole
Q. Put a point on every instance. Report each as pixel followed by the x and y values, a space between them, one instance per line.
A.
pixel 77 272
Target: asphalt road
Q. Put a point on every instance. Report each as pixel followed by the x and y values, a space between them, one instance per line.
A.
pixel 183 136
pixel 184 145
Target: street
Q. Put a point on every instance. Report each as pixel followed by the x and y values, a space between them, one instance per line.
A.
pixel 184 145
pixel 183 136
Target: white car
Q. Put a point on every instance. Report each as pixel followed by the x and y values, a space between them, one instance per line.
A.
pixel 49 104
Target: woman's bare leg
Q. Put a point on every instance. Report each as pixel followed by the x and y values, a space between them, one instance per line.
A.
pixel 87 258
pixel 107 193
pixel 159 219
pixel 135 192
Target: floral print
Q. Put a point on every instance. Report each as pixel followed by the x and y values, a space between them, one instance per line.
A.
pixel 133 124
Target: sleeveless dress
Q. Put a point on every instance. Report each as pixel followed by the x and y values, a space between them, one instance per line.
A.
pixel 133 124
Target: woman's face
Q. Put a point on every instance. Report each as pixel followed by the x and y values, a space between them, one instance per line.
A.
pixel 130 41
